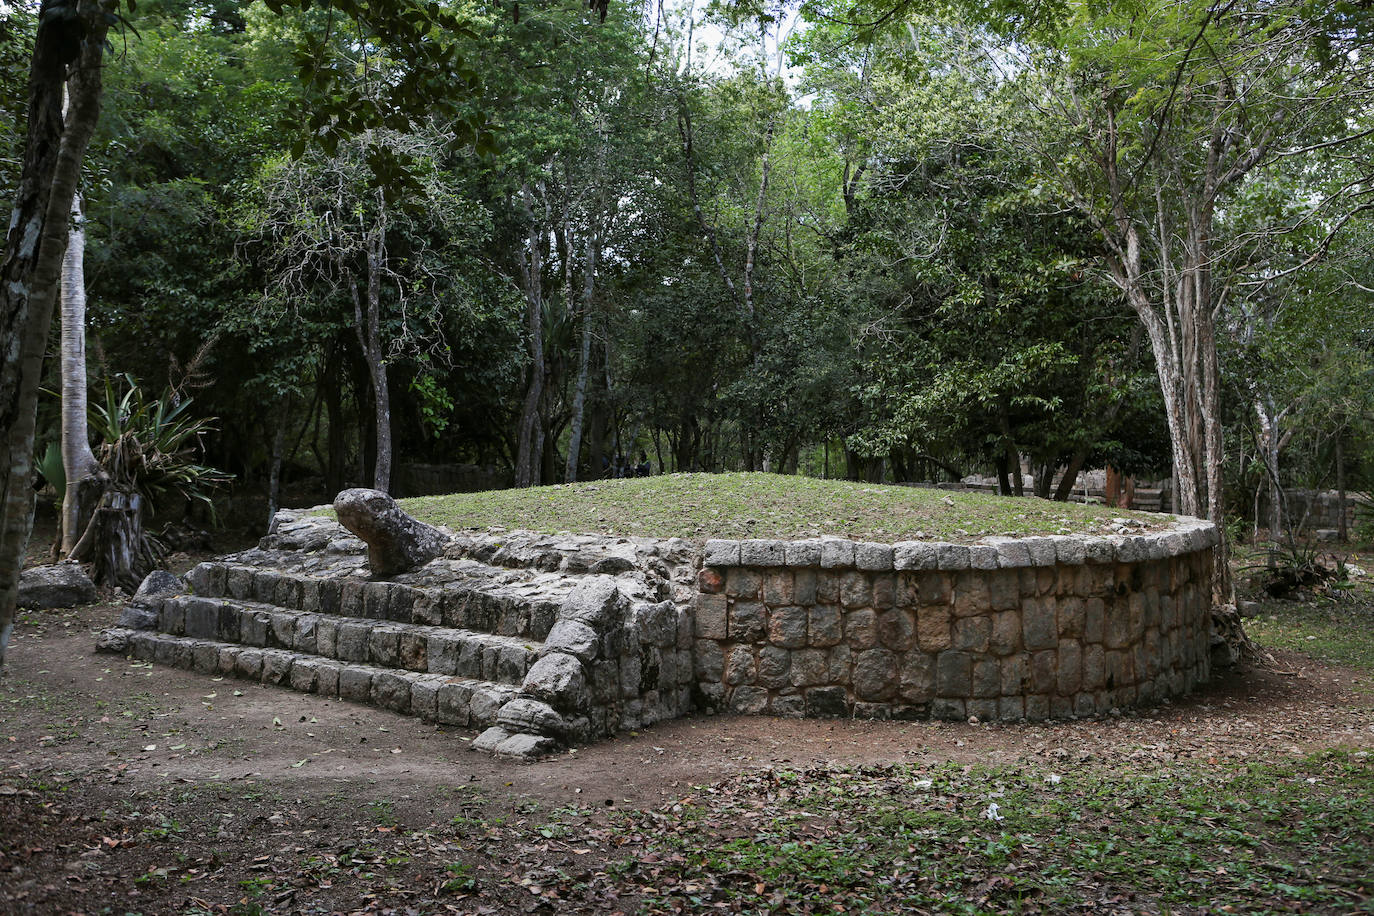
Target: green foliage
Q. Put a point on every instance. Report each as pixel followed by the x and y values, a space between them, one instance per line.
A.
pixel 149 445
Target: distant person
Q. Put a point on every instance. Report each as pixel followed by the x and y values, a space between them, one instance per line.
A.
pixel 642 470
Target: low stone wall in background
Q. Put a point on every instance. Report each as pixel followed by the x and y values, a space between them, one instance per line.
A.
pixel 1008 629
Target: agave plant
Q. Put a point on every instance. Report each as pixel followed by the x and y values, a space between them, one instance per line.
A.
pixel 149 445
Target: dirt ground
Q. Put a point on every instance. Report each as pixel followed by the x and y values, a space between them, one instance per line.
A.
pixel 128 788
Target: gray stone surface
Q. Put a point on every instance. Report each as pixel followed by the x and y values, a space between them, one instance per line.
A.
pixel 58 586
pixel 396 542
pixel 160 582
pixel 559 680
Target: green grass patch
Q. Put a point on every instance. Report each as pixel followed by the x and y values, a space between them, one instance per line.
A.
pixel 701 506
pixel 1341 632
pixel 1292 836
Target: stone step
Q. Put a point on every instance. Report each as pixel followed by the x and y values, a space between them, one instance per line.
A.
pixel 452 593
pixel 450 651
pixel 449 700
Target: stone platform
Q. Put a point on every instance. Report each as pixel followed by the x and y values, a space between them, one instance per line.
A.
pixel 552 640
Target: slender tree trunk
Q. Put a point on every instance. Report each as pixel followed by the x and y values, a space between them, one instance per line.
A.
pixel 278 451
pixel 584 356
pixel 1342 527
pixel 30 274
pixel 78 462
pixel 1070 477
pixel 529 456
pixel 367 320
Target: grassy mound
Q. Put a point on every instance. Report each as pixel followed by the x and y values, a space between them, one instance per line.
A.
pixel 701 506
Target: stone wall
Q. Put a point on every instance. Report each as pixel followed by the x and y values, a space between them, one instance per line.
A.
pixel 1006 629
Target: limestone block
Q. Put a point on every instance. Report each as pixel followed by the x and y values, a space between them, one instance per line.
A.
pixel 708 660
pixel 952 557
pixel 809 668
pixel 787 627
pixel 526 714
pixel 384 646
pixel 982 556
pixel 1011 552
pixel 803 553
pixel 711 615
pixel 897 629
pixel 1069 550
pixel 740 667
pixel 777 587
pixel 836 553
pixel 824 627
pixel 827 702
pixel 1005 637
pixel 573 637
pixel 749 700
pixel 1011 709
pixel 804 582
pixel 452 701
pixel 741 582
pixel 747 622
pixel 759 552
pixel 721 553
pixel 774 667
pixel 792 706
pixel 914 555
pixel 933 628
pixel 875 674
pixel 953 674
pixel 873 557
pixel 861 629
pixel 1039 624
pixel 917 684
pixel 972 634
pixel 396 542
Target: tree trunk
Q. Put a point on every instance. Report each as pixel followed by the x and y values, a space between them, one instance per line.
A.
pixel 529 454
pixel 121 552
pixel 1342 527
pixel 366 321
pixel 584 357
pixel 1070 475
pixel 30 273
pixel 78 462
pixel 274 473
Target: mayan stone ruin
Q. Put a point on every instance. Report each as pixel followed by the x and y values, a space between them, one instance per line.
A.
pixel 543 641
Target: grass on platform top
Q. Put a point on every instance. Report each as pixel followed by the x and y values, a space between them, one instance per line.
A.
pixel 702 506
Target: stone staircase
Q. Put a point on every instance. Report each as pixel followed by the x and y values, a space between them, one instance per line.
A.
pixel 457 642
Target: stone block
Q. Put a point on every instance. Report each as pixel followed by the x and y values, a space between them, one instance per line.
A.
pixel 809 668
pixel 827 702
pixel 897 629
pixel 1006 632
pixel 914 555
pixel 254 627
pixel 248 664
pixel 283 630
pixel 710 613
pixel 1098 550
pixel 759 552
pixel 1011 552
pixel 1011 709
pixel 972 634
pixel 803 553
pixel 1094 620
pixel 804 586
pixel 573 637
pixel 1071 618
pixel 827 587
pixel 171 618
pixel 526 714
pixel 873 557
pixel 1044 672
pixel 1041 550
pixel 933 628
pixel 824 626
pixel 1039 623
pixel 391 691
pixel 791 706
pixel 787 627
pixel 839 665
pixel 981 556
pixel 721 553
pixel 276 666
pixel 1037 707
pixel 306 637
pixel 774 667
pixel 327 678
pixel 351 597
pixel 884 591
pixel 1116 633
pixel 777 587
pixel 747 622
pixel 971 594
pixel 743 583
pixel 424 696
pixel 413 651
pixel 1015 675
pixel 952 557
pixel 875 674
pixel 749 700
pixel 1094 668
pixel 305 675
pixel 205 658
pixel 837 553
pixel 948 708
pixel 984 710
pixel 1004 591
pixel 861 629
pixel 708 660
pixel 856 590
pixel 710 581
pixel 1069 550
pixel 452 703
pixel 740 667
pixel 657 624
pixel 226 662
pixel 917 677
pixel 384 646
pixel 953 674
